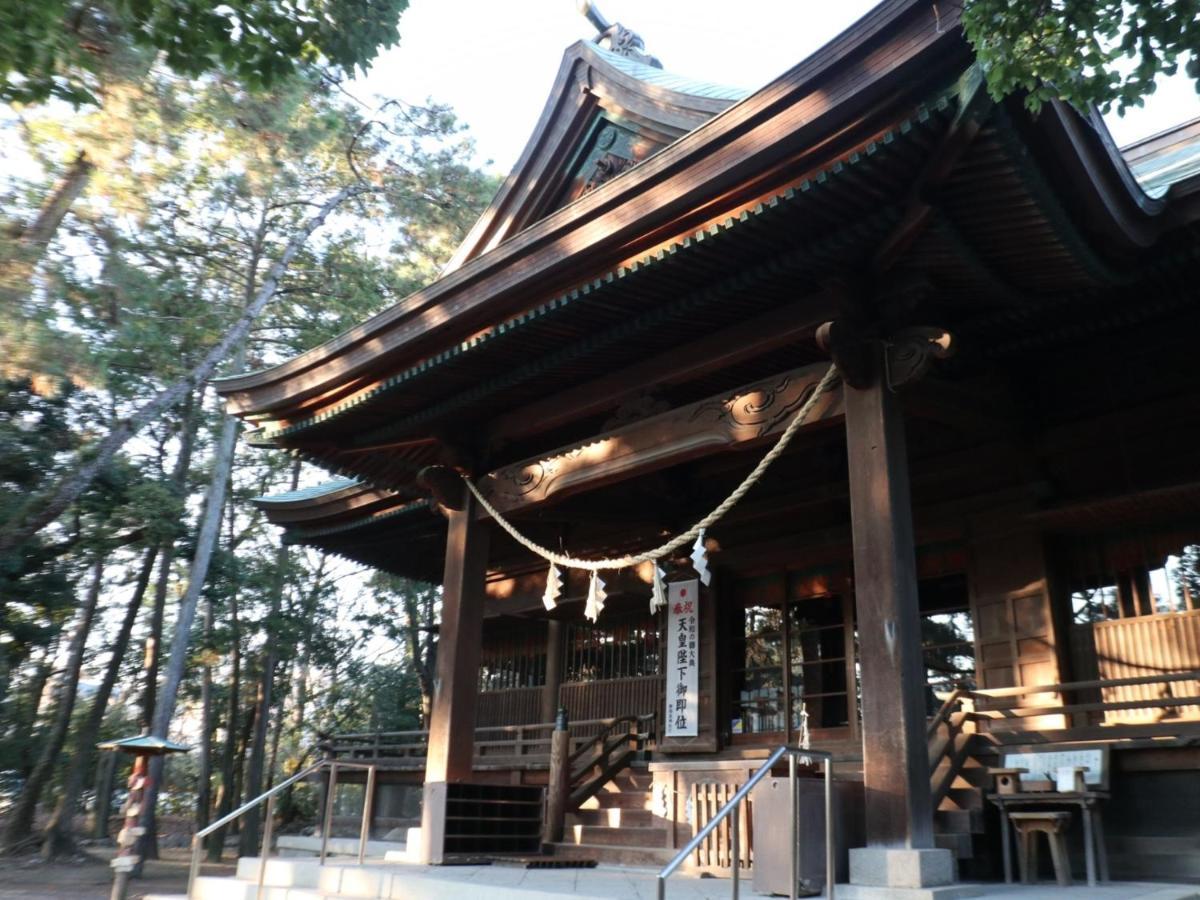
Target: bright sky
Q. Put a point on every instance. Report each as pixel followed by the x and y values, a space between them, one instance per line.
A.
pixel 495 62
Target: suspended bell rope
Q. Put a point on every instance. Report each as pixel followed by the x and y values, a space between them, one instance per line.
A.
pixel 596 595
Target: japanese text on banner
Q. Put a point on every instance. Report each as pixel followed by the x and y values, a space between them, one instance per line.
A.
pixel 682 659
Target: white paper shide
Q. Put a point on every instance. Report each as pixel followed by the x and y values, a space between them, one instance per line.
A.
pixel 682 659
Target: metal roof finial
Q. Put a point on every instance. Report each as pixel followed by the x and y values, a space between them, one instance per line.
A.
pixel 616 37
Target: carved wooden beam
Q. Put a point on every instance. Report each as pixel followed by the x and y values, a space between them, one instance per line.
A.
pixel 747 416
pixel 746 340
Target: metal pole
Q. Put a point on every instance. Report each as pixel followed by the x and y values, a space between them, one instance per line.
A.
pixel 830 867
pixel 328 824
pixel 194 866
pixel 364 833
pixel 737 851
pixel 793 884
pixel 268 828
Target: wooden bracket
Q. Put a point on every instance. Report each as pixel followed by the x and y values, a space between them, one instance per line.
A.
pixel 851 351
pixel 909 353
pixel 445 485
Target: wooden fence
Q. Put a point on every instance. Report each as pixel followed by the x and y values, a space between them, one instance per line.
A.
pixel 1136 648
pixel 617 697
pixel 516 706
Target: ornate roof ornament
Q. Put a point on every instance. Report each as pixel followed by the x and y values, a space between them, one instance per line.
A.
pixel 616 37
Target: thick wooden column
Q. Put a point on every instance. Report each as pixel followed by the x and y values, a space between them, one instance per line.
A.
pixel 554 661
pixel 456 685
pixel 895 754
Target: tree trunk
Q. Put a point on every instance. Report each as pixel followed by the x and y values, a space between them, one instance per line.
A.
pixel 28 723
pixel 44 508
pixel 248 839
pixel 106 773
pixel 419 648
pixel 276 731
pixel 216 841
pixel 239 764
pixel 42 229
pixel 58 836
pixel 153 646
pixel 153 651
pixel 20 823
pixel 210 526
pixel 21 258
pixel 204 778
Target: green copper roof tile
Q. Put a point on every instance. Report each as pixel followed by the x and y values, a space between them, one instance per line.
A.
pixel 670 81
pixel 309 493
pixel 303 535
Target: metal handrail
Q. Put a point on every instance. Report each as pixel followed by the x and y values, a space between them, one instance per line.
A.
pixel 269 819
pixel 730 808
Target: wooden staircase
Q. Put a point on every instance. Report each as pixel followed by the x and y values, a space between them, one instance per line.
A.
pixel 959 781
pixel 617 824
pixel 610 807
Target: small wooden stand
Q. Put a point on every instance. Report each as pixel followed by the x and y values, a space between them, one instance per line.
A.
pixel 1008 781
pixel 1052 824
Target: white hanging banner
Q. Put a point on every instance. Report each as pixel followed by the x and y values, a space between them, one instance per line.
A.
pixel 682 659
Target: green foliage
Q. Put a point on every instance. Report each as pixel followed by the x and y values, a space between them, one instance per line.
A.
pixel 55 48
pixel 36 593
pixel 374 697
pixel 195 188
pixel 1104 52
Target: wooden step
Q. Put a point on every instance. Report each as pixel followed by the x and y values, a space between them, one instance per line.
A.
pixel 961 845
pixel 640 837
pixel 632 780
pixel 614 855
pixel 613 817
pixel 618 800
pixel 959 821
pixel 962 798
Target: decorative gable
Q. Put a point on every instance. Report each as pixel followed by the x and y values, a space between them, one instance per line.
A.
pixel 606 113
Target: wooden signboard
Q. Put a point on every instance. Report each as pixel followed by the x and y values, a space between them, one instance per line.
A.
pixel 681 660
pixel 703 724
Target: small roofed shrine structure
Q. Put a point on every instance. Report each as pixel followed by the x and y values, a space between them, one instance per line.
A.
pixel 983 540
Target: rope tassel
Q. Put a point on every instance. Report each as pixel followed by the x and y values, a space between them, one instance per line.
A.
pixel 595 598
pixel 658 596
pixel 700 559
pixel 553 587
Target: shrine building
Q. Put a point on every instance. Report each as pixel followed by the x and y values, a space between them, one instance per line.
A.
pixel 979 550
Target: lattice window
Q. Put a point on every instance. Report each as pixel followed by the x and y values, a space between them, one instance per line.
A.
pixel 1132 575
pixel 513 657
pixel 618 646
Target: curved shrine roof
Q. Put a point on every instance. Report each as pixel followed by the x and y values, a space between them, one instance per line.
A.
pixel 738 217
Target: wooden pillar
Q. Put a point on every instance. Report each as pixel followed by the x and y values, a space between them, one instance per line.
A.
pixel 456 685
pixel 559 785
pixel 554 661
pixel 895 754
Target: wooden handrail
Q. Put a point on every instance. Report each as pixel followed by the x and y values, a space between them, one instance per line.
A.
pixel 547 726
pixel 997 693
pixel 603 734
pixel 1023 712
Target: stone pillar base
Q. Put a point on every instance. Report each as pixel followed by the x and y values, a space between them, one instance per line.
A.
pixel 901 867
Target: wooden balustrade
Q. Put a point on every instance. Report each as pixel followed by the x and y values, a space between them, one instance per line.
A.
pixel 513 706
pixel 1141 647
pixel 1139 699
pixel 494 745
